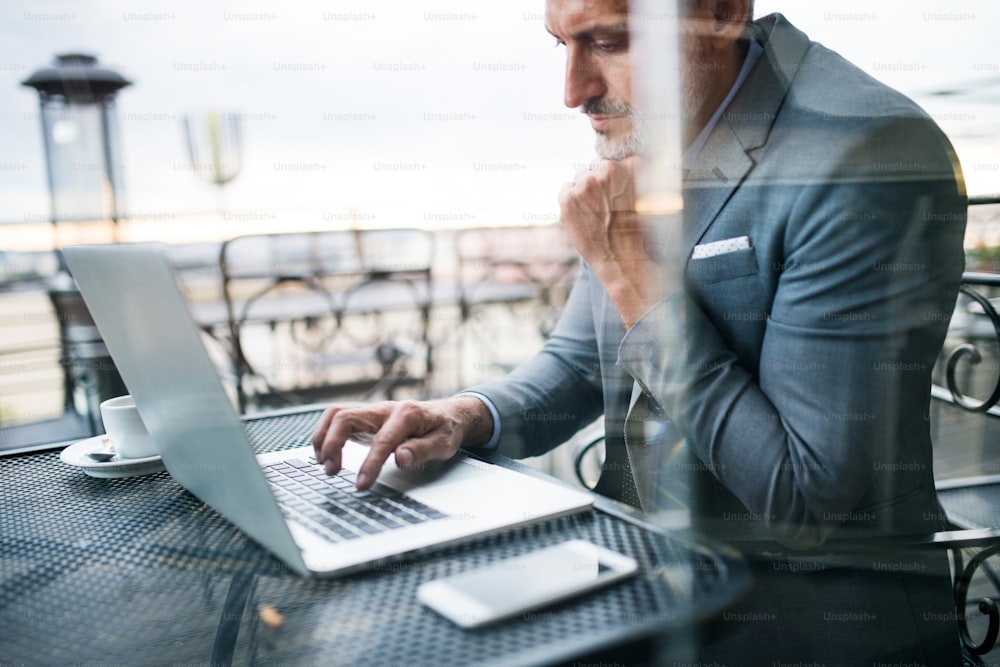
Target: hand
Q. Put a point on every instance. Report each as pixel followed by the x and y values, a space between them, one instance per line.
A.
pixel 598 211
pixel 417 432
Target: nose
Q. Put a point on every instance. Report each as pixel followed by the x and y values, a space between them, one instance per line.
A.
pixel 584 79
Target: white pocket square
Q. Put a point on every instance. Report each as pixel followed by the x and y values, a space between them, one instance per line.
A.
pixel 722 247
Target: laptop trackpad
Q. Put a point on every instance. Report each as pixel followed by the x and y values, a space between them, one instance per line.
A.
pixel 438 473
pixel 433 472
pixel 466 488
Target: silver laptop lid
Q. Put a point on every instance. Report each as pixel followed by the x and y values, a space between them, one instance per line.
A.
pixel 132 293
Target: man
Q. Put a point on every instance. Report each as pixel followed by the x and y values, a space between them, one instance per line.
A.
pixel 821 250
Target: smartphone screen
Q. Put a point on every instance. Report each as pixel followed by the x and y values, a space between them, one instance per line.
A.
pixel 515 585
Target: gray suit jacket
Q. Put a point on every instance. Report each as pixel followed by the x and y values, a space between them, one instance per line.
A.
pixel 795 372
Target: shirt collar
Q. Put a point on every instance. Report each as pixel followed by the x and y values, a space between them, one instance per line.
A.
pixel 691 154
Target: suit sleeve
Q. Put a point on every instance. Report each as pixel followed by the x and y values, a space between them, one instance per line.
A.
pixel 858 315
pixel 547 399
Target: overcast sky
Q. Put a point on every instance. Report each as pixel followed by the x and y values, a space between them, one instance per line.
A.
pixel 406 112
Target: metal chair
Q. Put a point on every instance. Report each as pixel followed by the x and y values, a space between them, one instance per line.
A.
pixel 329 307
pixel 512 285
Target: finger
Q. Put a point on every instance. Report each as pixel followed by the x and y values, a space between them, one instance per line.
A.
pixel 319 433
pixel 600 166
pixel 342 427
pixel 415 452
pixel 620 186
pixel 565 193
pixel 406 420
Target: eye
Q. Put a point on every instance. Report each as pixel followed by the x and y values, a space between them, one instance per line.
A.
pixel 609 45
pixel 559 43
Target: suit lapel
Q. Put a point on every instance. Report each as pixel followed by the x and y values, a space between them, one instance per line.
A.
pixel 728 155
pixel 720 169
pixel 722 166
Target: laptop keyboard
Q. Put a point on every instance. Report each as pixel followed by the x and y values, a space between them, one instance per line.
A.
pixel 332 505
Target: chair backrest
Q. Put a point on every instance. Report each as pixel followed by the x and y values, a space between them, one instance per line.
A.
pixel 299 254
pixel 542 255
pixel 318 285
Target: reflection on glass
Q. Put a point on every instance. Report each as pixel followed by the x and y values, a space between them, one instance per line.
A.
pixel 214 143
pixel 656 86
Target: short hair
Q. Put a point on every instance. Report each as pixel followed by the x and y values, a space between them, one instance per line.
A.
pixel 687 5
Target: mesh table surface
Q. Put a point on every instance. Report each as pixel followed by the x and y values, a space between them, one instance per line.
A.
pixel 138 571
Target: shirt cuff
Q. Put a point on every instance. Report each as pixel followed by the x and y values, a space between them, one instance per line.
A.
pixel 494 440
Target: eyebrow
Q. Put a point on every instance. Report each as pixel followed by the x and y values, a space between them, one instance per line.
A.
pixel 594 31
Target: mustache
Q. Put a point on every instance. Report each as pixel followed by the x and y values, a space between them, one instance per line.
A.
pixel 600 107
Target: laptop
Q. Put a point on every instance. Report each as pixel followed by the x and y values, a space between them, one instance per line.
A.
pixel 317 524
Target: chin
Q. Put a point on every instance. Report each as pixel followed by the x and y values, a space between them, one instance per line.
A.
pixel 626 143
pixel 618 148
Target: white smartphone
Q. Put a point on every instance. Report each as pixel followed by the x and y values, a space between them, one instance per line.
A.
pixel 516 585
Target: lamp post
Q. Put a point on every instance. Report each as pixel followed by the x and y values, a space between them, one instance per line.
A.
pixel 80 135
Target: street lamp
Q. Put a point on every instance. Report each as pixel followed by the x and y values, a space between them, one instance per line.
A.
pixel 80 135
pixel 79 128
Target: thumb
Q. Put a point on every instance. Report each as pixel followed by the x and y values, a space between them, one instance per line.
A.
pixel 417 452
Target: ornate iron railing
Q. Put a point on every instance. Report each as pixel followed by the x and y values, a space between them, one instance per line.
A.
pixel 976 324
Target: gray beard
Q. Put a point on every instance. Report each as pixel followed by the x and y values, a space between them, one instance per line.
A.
pixel 627 146
pixel 694 91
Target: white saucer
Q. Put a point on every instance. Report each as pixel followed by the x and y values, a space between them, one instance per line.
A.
pixel 76 455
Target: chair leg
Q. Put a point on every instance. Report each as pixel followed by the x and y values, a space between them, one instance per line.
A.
pixel 971 650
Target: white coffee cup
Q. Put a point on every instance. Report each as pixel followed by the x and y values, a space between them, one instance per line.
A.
pixel 125 429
